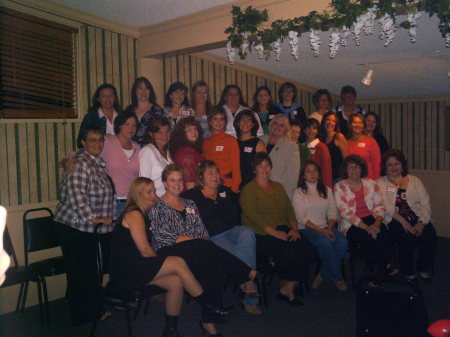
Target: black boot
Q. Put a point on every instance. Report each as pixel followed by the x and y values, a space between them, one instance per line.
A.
pixel 171 327
pixel 209 309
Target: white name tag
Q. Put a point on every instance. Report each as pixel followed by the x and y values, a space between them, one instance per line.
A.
pixel 219 148
pixel 312 151
pixel 185 113
pixel 295 112
pixel 248 149
pixel 271 116
pixel 392 189
pixel 204 117
pixel 361 144
pixel 223 194
pixel 190 210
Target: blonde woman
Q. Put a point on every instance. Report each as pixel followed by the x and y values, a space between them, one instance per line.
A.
pixel 283 152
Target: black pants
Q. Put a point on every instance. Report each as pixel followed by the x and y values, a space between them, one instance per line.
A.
pixel 407 244
pixel 84 292
pixel 209 263
pixel 292 259
pixel 377 251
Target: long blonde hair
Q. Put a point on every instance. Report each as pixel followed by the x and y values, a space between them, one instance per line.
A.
pixel 287 134
pixel 134 194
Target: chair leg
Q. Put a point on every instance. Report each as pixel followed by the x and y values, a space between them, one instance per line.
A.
pixel 41 309
pixel 137 309
pixel 46 306
pixel 128 319
pixel 93 328
pixel 19 299
pixel 24 297
pixel 147 304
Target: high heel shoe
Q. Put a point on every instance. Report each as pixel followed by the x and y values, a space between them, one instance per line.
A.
pixel 206 333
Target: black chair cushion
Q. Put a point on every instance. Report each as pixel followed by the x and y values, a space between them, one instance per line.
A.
pixel 49 267
pixel 40 234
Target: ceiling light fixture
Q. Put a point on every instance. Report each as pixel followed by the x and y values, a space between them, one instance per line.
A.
pixel 367 79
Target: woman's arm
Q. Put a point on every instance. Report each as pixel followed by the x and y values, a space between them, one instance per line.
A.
pixel 134 221
pixel 375 157
pixel 146 162
pixel 342 144
pixel 260 147
pixel 325 165
pixel 235 165
pixel 292 165
pixel 346 205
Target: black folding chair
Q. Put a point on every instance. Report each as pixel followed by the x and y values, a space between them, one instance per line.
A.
pixel 40 234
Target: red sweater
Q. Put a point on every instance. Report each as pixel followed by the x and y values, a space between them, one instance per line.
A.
pixel 321 155
pixel 188 159
pixel 368 149
pixel 223 149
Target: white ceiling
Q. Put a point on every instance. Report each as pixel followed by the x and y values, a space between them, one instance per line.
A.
pixel 403 69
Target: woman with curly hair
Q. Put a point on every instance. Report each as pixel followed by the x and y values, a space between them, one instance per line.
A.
pixel 185 147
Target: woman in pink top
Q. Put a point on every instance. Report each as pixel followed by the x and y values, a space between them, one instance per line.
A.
pixel 366 147
pixel 121 155
pixel 360 205
pixel 185 147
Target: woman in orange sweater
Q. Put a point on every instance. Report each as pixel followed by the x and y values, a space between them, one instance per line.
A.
pixel 223 149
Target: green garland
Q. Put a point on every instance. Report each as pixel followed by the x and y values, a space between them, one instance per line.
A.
pixel 342 13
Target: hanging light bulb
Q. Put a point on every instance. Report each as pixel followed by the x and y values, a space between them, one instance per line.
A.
pixel 367 79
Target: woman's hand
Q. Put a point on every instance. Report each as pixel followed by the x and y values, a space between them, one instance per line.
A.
pixel 329 234
pixel 373 230
pixel 362 225
pixel 105 221
pixel 293 235
pixel 408 228
pixel 419 228
pixel 279 235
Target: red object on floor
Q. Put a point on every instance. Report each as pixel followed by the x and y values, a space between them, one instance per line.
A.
pixel 440 328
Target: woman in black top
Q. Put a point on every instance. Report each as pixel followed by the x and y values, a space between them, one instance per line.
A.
pixel 134 263
pixel 219 210
pixel 336 142
pixel 246 127
pixel 373 129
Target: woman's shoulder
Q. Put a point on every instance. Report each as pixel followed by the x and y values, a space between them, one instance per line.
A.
pixel 265 139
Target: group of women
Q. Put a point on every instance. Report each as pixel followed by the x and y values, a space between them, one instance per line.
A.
pixel 187 194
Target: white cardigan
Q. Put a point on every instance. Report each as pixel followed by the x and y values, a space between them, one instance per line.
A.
pixel 416 197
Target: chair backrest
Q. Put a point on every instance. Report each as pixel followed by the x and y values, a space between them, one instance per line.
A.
pixel 39 233
pixel 8 246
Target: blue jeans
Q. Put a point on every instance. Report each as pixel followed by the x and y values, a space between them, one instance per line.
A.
pixel 239 241
pixel 120 207
pixel 331 253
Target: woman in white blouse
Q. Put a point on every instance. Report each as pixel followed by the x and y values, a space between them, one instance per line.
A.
pixel 316 214
pixel 154 157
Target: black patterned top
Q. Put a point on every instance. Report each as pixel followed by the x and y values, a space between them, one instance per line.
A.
pixel 167 224
pixel 402 207
pixel 142 125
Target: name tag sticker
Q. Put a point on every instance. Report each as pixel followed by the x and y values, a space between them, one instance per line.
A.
pixel 312 151
pixel 223 194
pixel 248 149
pixel 392 189
pixel 204 117
pixel 190 210
pixel 295 112
pixel 219 148
pixel 185 113
pixel 361 144
pixel 271 116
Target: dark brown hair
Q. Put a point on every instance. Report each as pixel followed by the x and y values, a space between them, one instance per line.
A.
pixel 397 154
pixel 321 188
pixel 155 124
pixel 357 160
pixel 323 130
pixel 178 136
pixel 240 116
pixel 217 110
pixel 201 169
pixel 170 169
pixel 208 100
pixel 259 157
pixel 317 94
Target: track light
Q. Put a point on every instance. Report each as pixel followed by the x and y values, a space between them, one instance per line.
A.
pixel 367 79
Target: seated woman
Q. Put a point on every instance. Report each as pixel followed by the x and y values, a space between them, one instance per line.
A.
pixel 134 263
pixel 362 211
pixel 267 210
pixel 185 147
pixel 316 213
pixel 178 230
pixel 219 210
pixel 408 215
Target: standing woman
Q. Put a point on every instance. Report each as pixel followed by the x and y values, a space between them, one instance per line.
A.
pixel 366 147
pixel 143 105
pixel 185 147
pixel 246 127
pixel 336 142
pixel 316 214
pixel 284 153
pixel 287 95
pixel 87 199
pixel 104 109
pixel 264 107
pixel 223 149
pixel 232 102
pixel 322 101
pixel 361 208
pixel 176 104
pixel 348 106
pixel 373 129
pixel 408 215
pixel 201 104
pixel 121 155
pixel 154 157
pixel 134 262
pixel 319 151
pixel 296 131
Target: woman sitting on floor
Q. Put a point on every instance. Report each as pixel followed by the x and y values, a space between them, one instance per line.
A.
pixel 219 210
pixel 316 213
pixel 134 263
pixel 178 230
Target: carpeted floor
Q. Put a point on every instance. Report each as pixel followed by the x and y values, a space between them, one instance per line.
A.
pixel 326 313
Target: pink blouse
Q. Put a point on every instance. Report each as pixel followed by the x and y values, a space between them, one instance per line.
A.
pixel 368 149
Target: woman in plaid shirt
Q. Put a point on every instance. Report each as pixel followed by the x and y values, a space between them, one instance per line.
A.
pixel 87 199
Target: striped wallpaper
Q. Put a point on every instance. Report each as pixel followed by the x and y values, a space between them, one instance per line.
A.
pixel 29 152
